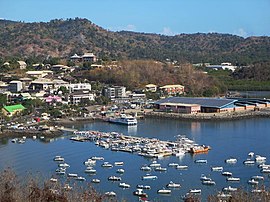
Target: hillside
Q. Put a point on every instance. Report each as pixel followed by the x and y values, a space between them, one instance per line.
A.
pixel 63 38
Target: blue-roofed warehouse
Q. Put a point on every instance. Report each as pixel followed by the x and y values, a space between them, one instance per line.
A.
pixel 194 105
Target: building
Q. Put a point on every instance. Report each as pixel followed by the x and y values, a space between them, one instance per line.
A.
pixel 25 82
pixel 114 92
pixel 173 89
pixel 12 110
pixel 79 86
pixel 80 97
pixel 223 66
pixel 86 57
pixel 41 84
pixel 151 88
pixel 3 87
pixel 39 74
pixel 52 99
pixel 75 58
pixel 180 108
pixel 15 86
pixel 22 64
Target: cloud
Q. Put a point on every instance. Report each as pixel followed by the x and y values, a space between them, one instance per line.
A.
pixel 167 31
pixel 130 27
pixel 241 32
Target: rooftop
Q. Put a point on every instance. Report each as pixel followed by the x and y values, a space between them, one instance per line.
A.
pixel 13 108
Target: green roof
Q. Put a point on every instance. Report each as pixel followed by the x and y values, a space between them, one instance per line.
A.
pixel 13 108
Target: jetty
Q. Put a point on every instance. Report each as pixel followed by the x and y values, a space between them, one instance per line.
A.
pixel 146 147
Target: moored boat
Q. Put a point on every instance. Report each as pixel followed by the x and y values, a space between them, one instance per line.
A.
pixel 253 182
pixel 229 189
pixel 233 179
pixel 149 177
pixel 226 173
pixel 200 161
pixel 173 185
pixel 114 178
pixel 143 186
pixel 217 168
pixel 124 185
pixel 95 180
pixel 164 191
pixel 110 194
pixel 199 149
pixel 182 167
pixel 208 182
pixel 231 160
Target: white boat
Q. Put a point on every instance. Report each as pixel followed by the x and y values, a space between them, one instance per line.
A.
pixel 95 180
pixel 217 168
pixel 34 137
pixel 124 119
pixel 223 195
pixel 114 178
pixel 208 182
pixel 155 164
pixel 90 162
pixel 182 167
pixel 90 170
pixel 253 182
pixel 80 178
pixel 53 180
pixel 110 194
pixel 249 162
pixel 149 177
pixel 200 161
pixel 58 158
pixel 14 140
pixel 259 158
pixel 173 164
pixel 204 178
pixel 60 171
pixel 233 179
pixel 121 171
pixel 231 160
pixel 146 168
pixel 100 158
pixel 226 173
pixel 257 177
pixel 143 186
pixel 140 193
pixel 251 154
pixel 265 170
pixel 67 187
pixel 173 185
pixel 124 185
pixel 64 165
pixel 106 165
pixel 195 191
pixel 229 189
pixel 72 175
pixel 161 169
pixel 164 191
pixel 119 163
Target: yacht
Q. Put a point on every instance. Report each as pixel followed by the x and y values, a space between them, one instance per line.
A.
pixel 164 191
pixel 110 193
pixel 95 180
pixel 229 189
pixel 58 158
pixel 233 179
pixel 124 185
pixel 217 168
pixel 208 182
pixel 143 186
pixel 173 185
pixel 149 177
pixel 226 173
pixel 231 160
pixel 124 119
pixel 114 178
pixel 253 182
pixel 140 193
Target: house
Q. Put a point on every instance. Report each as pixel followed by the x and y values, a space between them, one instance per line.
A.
pixel 11 110
pixel 39 74
pixel 172 89
pixel 151 88
pixel 223 66
pixel 51 99
pixel 41 84
pixel 78 86
pixel 22 64
pixel 114 92
pixel 75 58
pixel 15 86
pixel 3 87
pixel 80 97
pixel 62 68
pixel 89 57
pixel 25 82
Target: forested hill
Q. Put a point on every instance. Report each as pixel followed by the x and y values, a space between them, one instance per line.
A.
pixel 63 38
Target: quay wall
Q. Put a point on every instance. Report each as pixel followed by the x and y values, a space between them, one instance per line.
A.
pixel 211 116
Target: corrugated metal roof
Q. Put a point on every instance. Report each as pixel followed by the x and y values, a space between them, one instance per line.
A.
pixel 204 102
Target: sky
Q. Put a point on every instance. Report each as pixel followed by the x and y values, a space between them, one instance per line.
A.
pixel 169 17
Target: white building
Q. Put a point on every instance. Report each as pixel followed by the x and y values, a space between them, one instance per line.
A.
pixel 22 64
pixel 15 86
pixel 224 66
pixel 80 97
pixel 79 86
pixel 115 92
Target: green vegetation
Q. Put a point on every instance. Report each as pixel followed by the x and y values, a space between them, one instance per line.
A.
pixel 63 38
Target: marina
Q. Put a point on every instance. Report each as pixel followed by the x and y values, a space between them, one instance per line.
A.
pixel 84 155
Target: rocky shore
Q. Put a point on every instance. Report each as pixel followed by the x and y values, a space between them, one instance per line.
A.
pixel 211 116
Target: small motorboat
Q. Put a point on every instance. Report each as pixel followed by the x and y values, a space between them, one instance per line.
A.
pixel 226 173
pixel 265 170
pixel 200 161
pixel 164 191
pixel 173 185
pixel 257 177
pixel 124 185
pixel 231 160
pixel 72 175
pixel 233 179
pixel 253 182
pixel 217 168
pixel 107 165
pixel 149 177
pixel 204 178
pixel 259 158
pixel 229 189
pixel 140 193
pixel 249 162
pixel 208 182
pixel 195 191
pixel 120 171
pixel 155 164
pixel 143 186
pixel 119 163
pixel 114 178
pixel 173 164
pixel 90 170
pixel 53 180
pixel 182 167
pixel 95 180
pixel 251 154
pixel 161 169
pixel 64 165
pixel 80 178
pixel 58 158
pixel 110 194
pixel 100 158
pixel 146 168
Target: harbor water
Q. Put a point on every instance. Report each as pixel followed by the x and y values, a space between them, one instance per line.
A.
pixel 227 139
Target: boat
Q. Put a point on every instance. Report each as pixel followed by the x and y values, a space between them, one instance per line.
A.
pixel 110 194
pixel 90 162
pixel 259 158
pixel 67 187
pixel 226 173
pixel 229 189
pixel 95 180
pixel 90 170
pixel 60 171
pixel 231 160
pixel 121 171
pixel 251 154
pixel 100 158
pixel 195 191
pixel 204 178
pixel 149 177
pixel 146 168
pixel 80 178
pixel 14 140
pixel 64 165
pixel 223 195
pixel 208 182
pixel 155 164
pixel 200 161
pixel 173 185
pixel 161 169
pixel 173 164
pixel 182 167
pixel 253 182
pixel 53 180
pixel 164 191
pixel 265 166
pixel 119 163
pixel 58 158
pixel 106 165
pixel 143 186
pixel 249 162
pixel 217 168
pixel 124 119
pixel 265 170
pixel 257 177
pixel 233 179
pixel 114 178
pixel 72 175
pixel 199 149
pixel 124 185
pixel 140 193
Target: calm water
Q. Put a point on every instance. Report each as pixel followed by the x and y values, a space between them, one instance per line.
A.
pixel 227 139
